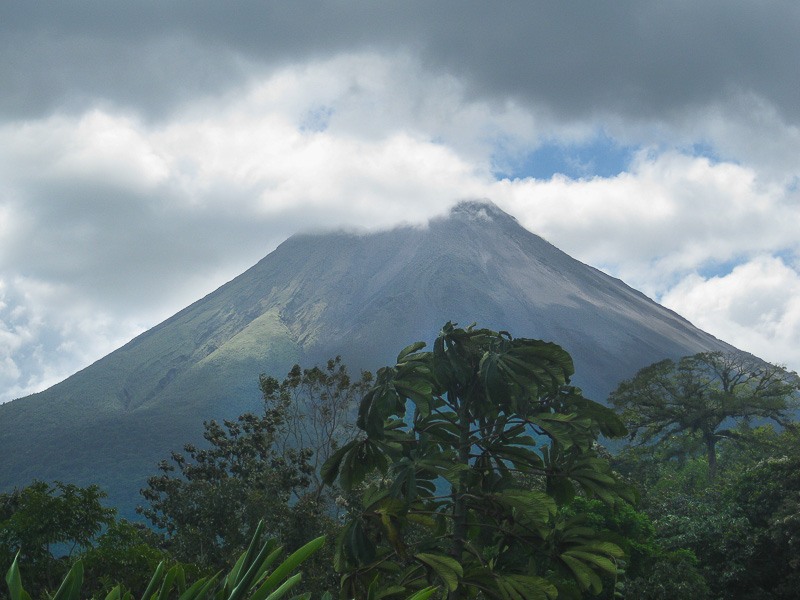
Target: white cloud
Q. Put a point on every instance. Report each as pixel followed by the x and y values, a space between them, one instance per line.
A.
pixel 665 217
pixel 96 146
pixel 755 307
pixel 48 332
pixel 110 222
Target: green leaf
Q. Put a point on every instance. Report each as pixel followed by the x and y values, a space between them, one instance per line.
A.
pixel 584 575
pixel 252 566
pixel 589 557
pixel 447 568
pixel 422 594
pixel 532 505
pixel 242 566
pixel 115 593
pixel 410 349
pixel 70 588
pixel 199 590
pixel 166 584
pixel 355 544
pixel 14 581
pixel 282 589
pixel 286 567
pixel 526 587
pixel 330 469
pixel 416 390
pixel 154 580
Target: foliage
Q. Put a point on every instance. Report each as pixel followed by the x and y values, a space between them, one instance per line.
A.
pixel 623 525
pixel 249 579
pixel 742 527
pixel 318 405
pixel 208 501
pixel 669 575
pixel 767 495
pixel 691 404
pixel 44 525
pixel 126 553
pixel 211 507
pixel 442 497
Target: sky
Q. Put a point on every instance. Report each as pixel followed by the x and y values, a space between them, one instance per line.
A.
pixel 152 151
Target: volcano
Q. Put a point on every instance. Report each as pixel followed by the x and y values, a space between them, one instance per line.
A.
pixel 361 296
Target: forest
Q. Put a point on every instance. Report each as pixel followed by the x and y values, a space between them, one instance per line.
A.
pixel 472 469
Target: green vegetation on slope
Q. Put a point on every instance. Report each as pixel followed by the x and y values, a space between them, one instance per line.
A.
pixel 474 469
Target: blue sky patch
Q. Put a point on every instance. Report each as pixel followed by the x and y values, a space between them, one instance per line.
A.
pixel 599 157
pixel 317 119
pixel 719 268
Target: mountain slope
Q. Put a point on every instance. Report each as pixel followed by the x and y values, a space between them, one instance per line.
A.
pixel 362 296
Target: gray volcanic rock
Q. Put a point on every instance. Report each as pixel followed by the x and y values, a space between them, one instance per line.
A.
pixel 361 296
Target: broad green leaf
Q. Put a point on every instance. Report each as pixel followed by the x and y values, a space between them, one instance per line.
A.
pixel 239 571
pixel 600 561
pixel 526 587
pixel 560 489
pixel 70 588
pixel 154 581
pixel 14 581
pixel 166 584
pixel 330 469
pixel 584 575
pixel 418 391
pixel 410 349
pixel 519 456
pixel 282 589
pixel 114 594
pixel 286 567
pixel 200 589
pixel 426 520
pixel 252 565
pixel 422 594
pixel 531 504
pixel 355 544
pixel 447 568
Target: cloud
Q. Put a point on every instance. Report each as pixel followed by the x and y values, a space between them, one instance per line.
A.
pixel 149 153
pixel 667 215
pixel 110 223
pixel 639 58
pixel 756 306
pixel 49 331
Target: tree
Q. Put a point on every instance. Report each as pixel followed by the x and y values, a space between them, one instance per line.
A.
pixel 209 500
pixel 47 524
pixel 318 405
pixel 465 487
pixel 695 400
pixel 742 528
pixel 767 494
pixel 125 554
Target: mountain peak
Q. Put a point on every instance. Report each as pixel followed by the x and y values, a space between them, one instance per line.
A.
pixel 362 297
pixel 480 210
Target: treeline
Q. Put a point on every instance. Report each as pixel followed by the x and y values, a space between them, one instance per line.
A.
pixel 469 470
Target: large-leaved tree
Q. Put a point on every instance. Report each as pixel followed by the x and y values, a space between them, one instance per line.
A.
pixel 466 454
pixel 695 401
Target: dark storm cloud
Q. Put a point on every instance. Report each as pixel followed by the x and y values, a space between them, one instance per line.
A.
pixel 641 58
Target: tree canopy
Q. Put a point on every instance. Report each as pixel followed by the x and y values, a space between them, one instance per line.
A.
pixel 45 524
pixel 467 453
pixel 208 500
pixel 695 401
